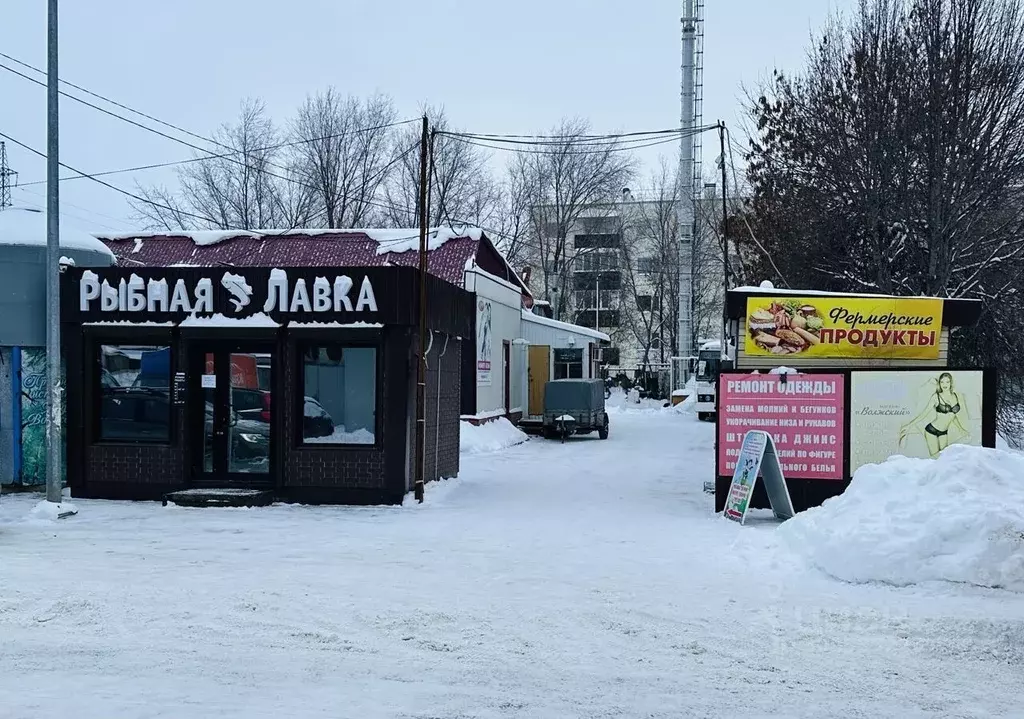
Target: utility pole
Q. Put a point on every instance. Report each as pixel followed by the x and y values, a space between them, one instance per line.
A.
pixel 421 360
pixel 725 239
pixel 54 389
pixel 8 178
pixel 684 344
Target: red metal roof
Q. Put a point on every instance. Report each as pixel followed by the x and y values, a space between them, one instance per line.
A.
pixel 296 248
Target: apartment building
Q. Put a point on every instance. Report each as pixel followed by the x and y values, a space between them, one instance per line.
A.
pixel 616 270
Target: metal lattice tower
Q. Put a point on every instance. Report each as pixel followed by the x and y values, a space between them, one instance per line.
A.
pixel 691 97
pixel 8 178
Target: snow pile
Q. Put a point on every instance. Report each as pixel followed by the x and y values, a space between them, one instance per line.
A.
pixel 687 406
pixel 341 435
pixel 489 437
pixel 622 401
pixel 958 518
pixel 52 511
pixel 783 370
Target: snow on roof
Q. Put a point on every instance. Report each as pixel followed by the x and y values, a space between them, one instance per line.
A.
pixel 388 240
pixel 750 290
pixel 576 329
pixel 25 226
pixel 218 320
pixel 712 345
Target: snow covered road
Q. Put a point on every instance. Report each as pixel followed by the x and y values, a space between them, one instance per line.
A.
pixel 581 580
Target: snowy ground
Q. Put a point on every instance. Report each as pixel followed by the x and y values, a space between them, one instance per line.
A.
pixel 588 579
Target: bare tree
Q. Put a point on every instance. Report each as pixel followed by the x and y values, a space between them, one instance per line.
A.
pixel 342 154
pixel 462 188
pixel 894 162
pixel 236 189
pixel 566 180
pixel 650 252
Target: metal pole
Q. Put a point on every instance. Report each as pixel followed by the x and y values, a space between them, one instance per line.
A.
pixel 725 240
pixel 421 375
pixel 54 394
pixel 684 340
pixel 597 299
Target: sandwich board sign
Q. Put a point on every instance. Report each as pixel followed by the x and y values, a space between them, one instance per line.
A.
pixel 757 456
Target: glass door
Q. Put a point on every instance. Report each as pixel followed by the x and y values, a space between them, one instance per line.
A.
pixel 235 386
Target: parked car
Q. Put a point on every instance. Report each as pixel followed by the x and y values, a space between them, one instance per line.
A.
pixel 574 406
pixel 316 421
pixel 134 414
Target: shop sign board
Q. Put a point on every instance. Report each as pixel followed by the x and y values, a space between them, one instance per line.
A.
pixel 803 413
pixel 914 413
pixel 844 327
pixel 757 456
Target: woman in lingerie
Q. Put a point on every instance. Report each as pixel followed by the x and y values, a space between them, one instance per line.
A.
pixel 945 411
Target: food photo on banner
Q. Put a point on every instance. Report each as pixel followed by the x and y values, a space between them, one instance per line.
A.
pixel 914 413
pixel 803 414
pixel 853 327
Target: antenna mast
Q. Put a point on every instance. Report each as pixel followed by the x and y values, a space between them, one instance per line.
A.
pixel 8 178
pixel 689 165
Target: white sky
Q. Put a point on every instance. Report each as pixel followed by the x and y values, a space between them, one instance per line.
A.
pixel 190 62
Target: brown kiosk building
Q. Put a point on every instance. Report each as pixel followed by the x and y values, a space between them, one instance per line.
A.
pixel 297 381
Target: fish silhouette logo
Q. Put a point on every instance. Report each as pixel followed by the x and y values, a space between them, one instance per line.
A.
pixel 240 290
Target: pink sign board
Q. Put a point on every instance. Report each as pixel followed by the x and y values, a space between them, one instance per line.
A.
pixel 803 414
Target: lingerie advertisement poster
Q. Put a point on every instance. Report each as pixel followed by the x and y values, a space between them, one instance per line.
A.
pixel 914 414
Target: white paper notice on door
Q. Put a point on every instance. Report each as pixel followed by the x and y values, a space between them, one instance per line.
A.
pixel 209 381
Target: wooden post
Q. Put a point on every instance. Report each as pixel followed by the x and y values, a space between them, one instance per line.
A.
pixel 421 373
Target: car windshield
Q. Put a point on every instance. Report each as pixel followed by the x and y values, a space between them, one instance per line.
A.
pixel 707 364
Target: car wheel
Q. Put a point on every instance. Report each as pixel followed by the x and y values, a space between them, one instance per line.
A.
pixel 602 432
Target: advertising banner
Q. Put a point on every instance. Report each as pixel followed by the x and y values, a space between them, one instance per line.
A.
pixel 913 413
pixel 847 327
pixel 758 453
pixel 802 413
pixel 744 477
pixel 483 342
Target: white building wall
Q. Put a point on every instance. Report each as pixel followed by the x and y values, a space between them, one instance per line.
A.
pixel 503 302
pixel 538 330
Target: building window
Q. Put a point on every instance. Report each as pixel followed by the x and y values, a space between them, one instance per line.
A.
pixel 339 402
pixel 592 280
pixel 588 299
pixel 597 240
pixel 595 261
pixel 568 363
pixel 610 356
pixel 135 393
pixel 647 303
pixel 648 265
pixel 590 318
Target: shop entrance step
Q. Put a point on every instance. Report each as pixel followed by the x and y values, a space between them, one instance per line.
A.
pixel 220 497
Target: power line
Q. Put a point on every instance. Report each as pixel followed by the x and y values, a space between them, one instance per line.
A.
pixel 209 155
pixel 107 184
pixel 623 140
pixel 79 207
pixel 608 149
pixel 157 120
pixel 267 148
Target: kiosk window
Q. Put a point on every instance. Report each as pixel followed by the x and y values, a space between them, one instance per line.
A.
pixel 135 393
pixel 339 403
pixel 569 363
